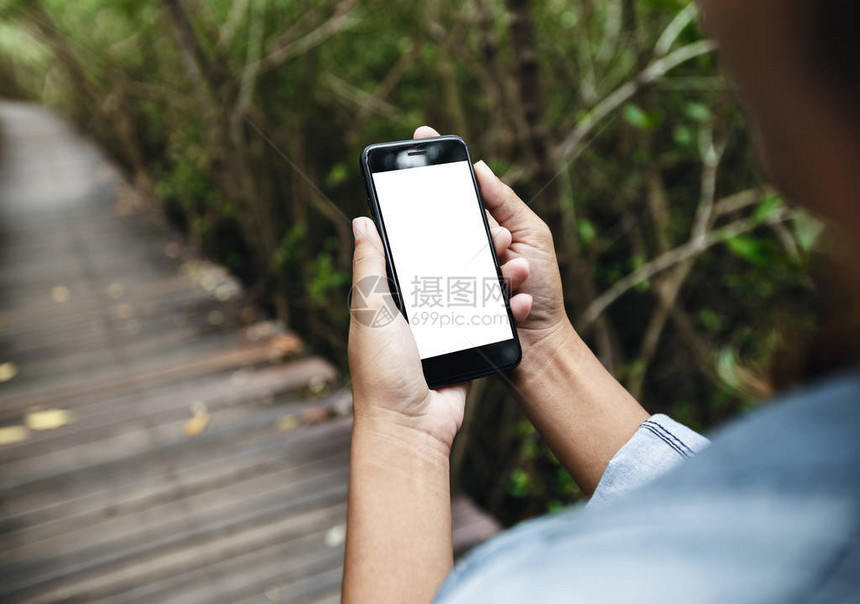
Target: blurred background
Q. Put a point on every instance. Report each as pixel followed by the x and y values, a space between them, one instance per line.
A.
pixel 238 124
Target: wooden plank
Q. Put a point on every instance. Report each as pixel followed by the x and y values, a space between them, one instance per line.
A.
pixel 96 419
pixel 246 568
pixel 291 543
pixel 121 504
pixel 202 510
pixel 127 457
pixel 174 367
pixel 221 466
pixel 18 579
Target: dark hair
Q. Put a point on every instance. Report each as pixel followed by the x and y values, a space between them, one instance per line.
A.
pixel 835 60
pixel 834 347
pixel 836 51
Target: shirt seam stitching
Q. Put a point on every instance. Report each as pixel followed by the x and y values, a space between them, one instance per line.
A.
pixel 671 435
pixel 662 437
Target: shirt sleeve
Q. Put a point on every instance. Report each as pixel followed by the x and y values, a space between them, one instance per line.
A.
pixel 657 446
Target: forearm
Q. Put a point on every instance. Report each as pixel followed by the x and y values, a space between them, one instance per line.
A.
pixel 582 412
pixel 398 546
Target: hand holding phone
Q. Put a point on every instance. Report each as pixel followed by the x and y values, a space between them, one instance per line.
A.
pixel 384 361
pixel 443 270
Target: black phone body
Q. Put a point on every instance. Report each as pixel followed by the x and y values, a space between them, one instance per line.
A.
pixel 426 203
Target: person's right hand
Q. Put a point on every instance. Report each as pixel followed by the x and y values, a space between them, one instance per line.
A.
pixel 538 304
pixel 581 411
pixel 531 240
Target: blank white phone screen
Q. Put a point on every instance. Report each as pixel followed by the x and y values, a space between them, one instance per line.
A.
pixel 442 257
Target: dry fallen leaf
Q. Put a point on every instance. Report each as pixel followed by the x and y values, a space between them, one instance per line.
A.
pixel 314 415
pixel 335 535
pixel 282 345
pixel 197 423
pixel 343 404
pixel 60 293
pixel 239 377
pixel 48 419
pixel 260 330
pixel 123 207
pixel 316 384
pixel 8 370
pixel 288 422
pixel 116 290
pixel 124 311
pixel 13 434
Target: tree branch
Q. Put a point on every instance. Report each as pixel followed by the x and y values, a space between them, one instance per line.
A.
pixel 574 143
pixel 359 97
pixel 252 64
pixel 674 256
pixel 339 22
pixel 741 200
pixel 674 29
pixel 231 25
pixel 669 286
pixel 376 100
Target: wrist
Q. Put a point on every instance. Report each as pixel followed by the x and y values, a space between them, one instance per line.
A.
pixel 544 347
pixel 387 431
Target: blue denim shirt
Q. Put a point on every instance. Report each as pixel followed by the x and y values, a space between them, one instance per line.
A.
pixel 769 512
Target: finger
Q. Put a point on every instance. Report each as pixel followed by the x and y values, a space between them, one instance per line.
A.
pixel 500 200
pixel 368 261
pixel 501 240
pixel 425 132
pixel 490 220
pixel 515 273
pixel 368 258
pixel 521 306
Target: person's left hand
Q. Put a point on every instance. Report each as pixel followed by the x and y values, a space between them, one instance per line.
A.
pixel 388 385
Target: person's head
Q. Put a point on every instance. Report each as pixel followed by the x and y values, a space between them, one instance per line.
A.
pixel 797 65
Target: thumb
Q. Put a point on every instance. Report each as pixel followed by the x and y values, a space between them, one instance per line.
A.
pixel 370 292
pixel 370 289
pixel 500 200
pixel 368 258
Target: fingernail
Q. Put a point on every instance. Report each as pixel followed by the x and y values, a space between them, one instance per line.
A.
pixel 358 228
pixel 483 166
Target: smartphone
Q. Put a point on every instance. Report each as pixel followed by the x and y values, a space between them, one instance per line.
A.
pixel 442 266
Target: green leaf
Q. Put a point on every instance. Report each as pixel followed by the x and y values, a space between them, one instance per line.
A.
pixel 520 481
pixel 587 232
pixel 768 206
pixel 807 230
pixel 569 19
pixel 637 118
pixel 711 320
pixel 697 112
pixel 337 175
pixel 554 506
pixel 748 248
pixel 683 136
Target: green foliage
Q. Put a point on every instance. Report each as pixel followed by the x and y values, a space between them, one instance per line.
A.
pixel 260 202
pixel 750 249
pixel 637 118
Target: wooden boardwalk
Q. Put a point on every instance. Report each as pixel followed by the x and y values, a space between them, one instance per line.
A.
pixel 159 439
